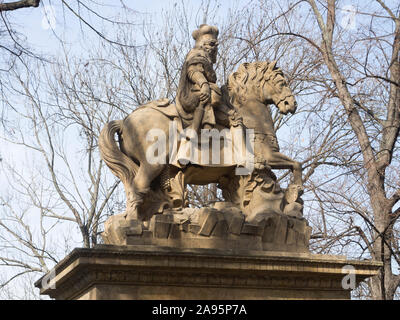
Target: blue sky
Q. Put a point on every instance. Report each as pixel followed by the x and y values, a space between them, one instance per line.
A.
pixel 33 22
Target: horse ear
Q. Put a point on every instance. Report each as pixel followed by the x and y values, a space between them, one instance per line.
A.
pixel 272 65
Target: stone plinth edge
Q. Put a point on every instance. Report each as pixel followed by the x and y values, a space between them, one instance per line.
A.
pixel 149 272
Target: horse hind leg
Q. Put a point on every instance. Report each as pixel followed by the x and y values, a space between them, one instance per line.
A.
pixel 140 187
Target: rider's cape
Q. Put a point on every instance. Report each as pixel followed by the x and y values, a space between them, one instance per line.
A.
pixel 173 112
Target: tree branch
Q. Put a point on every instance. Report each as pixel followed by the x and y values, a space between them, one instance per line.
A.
pixel 19 5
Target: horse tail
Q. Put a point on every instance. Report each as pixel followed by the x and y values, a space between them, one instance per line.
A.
pixel 119 163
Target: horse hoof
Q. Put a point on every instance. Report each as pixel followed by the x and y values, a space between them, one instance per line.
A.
pixel 293 192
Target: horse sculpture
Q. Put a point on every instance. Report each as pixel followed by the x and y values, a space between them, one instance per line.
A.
pixel 152 187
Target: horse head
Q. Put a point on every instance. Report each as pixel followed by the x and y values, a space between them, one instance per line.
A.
pixel 277 91
pixel 262 81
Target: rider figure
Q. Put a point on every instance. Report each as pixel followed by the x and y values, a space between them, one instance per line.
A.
pixel 198 94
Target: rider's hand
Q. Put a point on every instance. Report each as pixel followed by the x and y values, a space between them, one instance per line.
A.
pixel 205 92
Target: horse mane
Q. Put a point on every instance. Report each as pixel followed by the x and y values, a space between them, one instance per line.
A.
pixel 249 75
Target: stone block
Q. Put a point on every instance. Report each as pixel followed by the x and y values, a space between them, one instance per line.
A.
pixel 161 230
pixel 234 219
pixel 221 228
pixel 290 236
pixel 207 220
pixel 269 230
pixel 307 236
pixel 281 229
pixel 194 228
pixel 118 235
pixel 251 229
pixel 299 227
pixel 175 232
pixel 160 225
pixel 184 226
pixel 147 234
pixel 134 228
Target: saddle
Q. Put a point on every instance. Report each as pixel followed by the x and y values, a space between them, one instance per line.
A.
pixel 167 108
pixel 182 120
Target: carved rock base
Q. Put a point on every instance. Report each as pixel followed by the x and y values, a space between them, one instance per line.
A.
pixel 213 229
pixel 150 272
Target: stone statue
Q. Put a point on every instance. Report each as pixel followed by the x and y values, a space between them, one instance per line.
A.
pixel 198 94
pixel 256 212
pixel 198 78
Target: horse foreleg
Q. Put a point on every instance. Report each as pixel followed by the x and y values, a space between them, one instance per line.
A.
pixel 277 160
pixel 297 173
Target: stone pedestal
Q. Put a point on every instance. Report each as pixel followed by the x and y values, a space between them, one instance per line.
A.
pixel 152 272
pixel 213 229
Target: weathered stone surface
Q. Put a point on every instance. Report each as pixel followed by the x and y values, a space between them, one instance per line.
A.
pixel 281 229
pixel 235 220
pixel 307 235
pixel 175 232
pixel 160 225
pixel 290 236
pixel 127 272
pixel 147 234
pixel 184 226
pixel 257 213
pixel 251 229
pixel 268 231
pixel 208 218
pixel 248 183
pixel 294 209
pixel 194 228
pixel 134 228
pixel 221 227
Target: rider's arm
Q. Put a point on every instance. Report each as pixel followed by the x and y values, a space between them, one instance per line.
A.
pixel 196 74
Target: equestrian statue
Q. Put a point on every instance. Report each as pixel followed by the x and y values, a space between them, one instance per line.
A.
pixel 155 178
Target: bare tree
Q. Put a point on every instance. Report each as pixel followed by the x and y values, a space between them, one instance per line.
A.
pixel 344 131
pixel 347 80
pixel 68 184
pixel 375 127
pixel 356 85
